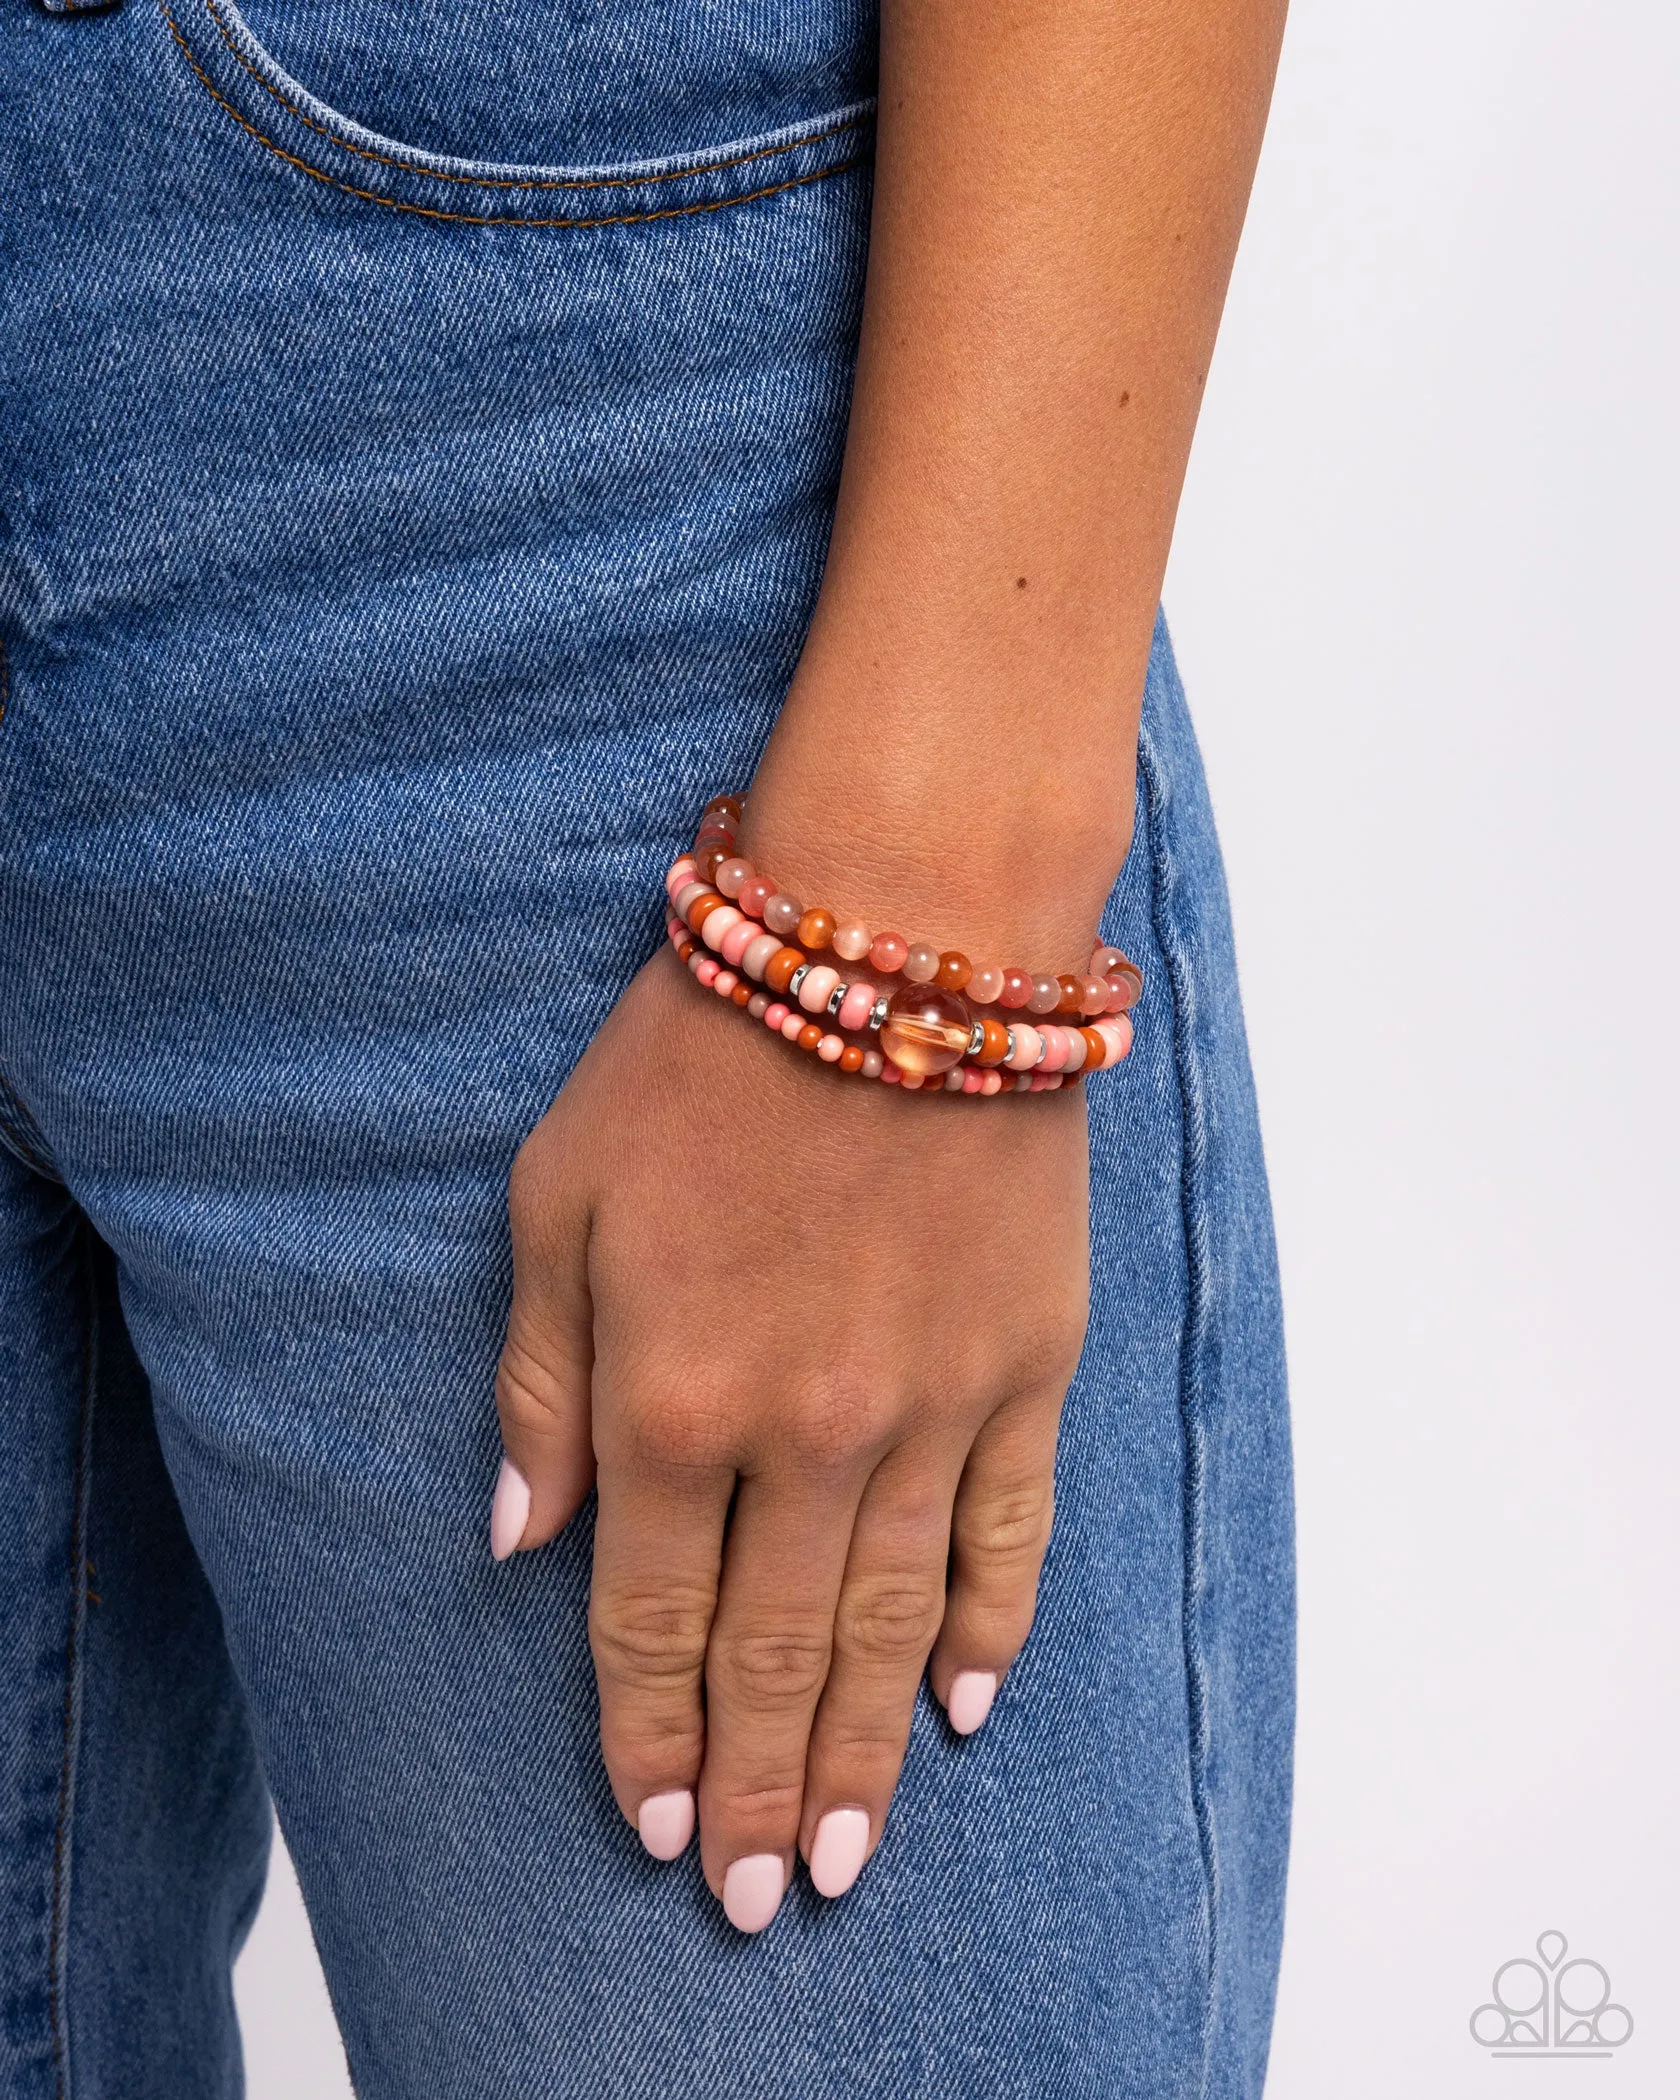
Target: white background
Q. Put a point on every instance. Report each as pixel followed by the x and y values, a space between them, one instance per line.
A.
pixel 1422 594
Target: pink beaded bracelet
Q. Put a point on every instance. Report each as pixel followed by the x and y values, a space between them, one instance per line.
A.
pixel 922 1032
pixel 1049 1054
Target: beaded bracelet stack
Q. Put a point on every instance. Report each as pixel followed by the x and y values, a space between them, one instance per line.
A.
pixel 925 1030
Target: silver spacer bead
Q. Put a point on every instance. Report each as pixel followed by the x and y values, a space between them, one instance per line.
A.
pixel 834 998
pixel 1043 1047
pixel 976 1040
pixel 796 980
pixel 878 1013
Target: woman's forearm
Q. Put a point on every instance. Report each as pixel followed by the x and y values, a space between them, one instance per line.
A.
pixel 813 1342
pixel 1059 191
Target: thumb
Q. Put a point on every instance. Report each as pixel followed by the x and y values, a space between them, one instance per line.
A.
pixel 542 1381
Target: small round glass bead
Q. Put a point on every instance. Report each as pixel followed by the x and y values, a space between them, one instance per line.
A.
pixel 1122 991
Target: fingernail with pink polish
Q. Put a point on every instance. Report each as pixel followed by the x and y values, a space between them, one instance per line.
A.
pixel 839 1850
pixel 752 1891
pixel 510 1511
pixel 666 1823
pixel 972 1693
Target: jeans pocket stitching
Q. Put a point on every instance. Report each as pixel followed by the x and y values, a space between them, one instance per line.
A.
pixel 724 159
pixel 701 164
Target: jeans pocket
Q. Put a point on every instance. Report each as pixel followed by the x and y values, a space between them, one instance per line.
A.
pixel 280 116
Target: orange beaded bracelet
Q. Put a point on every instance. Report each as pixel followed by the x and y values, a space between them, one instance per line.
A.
pixel 923 1031
pixel 1104 1043
pixel 1110 985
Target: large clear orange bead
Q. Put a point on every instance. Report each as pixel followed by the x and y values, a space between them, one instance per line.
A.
pixel 926 1029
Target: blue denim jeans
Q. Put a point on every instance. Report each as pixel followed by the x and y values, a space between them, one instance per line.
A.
pixel 398 541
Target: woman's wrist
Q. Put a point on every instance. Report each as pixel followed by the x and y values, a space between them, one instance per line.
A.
pixel 947 810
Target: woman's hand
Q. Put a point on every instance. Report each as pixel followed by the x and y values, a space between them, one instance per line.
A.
pixel 812 1334
pixel 810 1338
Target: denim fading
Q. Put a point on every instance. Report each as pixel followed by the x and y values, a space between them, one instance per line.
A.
pixel 419 429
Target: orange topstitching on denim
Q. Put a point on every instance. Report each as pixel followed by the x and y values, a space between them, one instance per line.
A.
pixel 426 211
pixel 700 166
